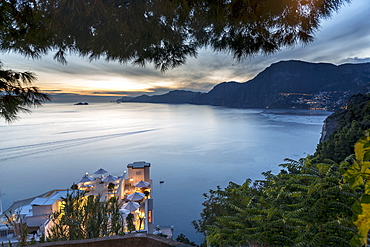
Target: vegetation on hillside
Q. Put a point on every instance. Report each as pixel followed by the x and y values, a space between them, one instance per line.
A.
pixel 310 202
pixel 351 124
pixel 303 205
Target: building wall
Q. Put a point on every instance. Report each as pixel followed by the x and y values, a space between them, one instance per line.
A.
pixel 136 174
pixel 36 221
pixel 149 221
pixel 41 209
pixel 138 171
pixel 56 205
pixel 147 174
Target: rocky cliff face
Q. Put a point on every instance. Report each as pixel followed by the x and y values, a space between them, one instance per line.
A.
pixel 329 127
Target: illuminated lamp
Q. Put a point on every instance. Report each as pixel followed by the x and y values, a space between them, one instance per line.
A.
pixel 150 216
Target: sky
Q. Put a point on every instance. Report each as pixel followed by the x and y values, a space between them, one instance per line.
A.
pixel 344 38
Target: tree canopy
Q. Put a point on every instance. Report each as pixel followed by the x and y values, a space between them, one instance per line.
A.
pixel 17 94
pixel 162 32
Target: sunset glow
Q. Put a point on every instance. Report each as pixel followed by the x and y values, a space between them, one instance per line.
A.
pixel 344 38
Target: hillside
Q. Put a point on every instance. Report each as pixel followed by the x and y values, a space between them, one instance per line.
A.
pixel 286 84
pixel 343 128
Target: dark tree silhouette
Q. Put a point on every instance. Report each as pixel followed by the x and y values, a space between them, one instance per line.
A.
pixel 17 94
pixel 163 32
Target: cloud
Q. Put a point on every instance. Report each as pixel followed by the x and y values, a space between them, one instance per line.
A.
pixel 356 60
pixel 113 93
pixel 73 98
pixel 51 90
pixel 343 38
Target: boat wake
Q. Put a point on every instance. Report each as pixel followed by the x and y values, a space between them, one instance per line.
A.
pixel 32 149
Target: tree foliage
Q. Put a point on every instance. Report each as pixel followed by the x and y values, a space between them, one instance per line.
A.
pixel 17 94
pixel 83 217
pixel 162 32
pixel 16 222
pixel 183 239
pixel 303 205
pixel 350 126
pixel 357 175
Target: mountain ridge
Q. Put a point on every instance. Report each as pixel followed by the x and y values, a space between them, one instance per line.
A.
pixel 285 84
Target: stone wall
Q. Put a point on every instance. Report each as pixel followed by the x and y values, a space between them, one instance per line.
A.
pixel 128 240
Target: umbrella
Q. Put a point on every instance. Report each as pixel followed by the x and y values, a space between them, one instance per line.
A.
pixel 110 178
pixel 84 179
pixel 142 184
pixel 132 206
pixel 101 171
pixel 135 196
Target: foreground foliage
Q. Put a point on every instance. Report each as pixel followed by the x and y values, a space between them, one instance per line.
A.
pixel 183 239
pixel 304 205
pixel 162 32
pixel 16 222
pixel 357 175
pixel 83 217
pixel 17 93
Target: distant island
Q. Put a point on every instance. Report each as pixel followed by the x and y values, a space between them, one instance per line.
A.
pixel 285 84
pixel 82 103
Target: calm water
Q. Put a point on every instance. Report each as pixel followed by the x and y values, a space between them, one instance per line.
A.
pixel 192 148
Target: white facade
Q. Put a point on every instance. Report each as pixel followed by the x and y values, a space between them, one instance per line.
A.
pixel 36 211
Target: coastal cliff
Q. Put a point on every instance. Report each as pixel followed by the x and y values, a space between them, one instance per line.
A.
pixel 329 127
pixel 343 128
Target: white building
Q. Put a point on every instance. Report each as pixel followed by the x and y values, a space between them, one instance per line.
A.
pixel 134 187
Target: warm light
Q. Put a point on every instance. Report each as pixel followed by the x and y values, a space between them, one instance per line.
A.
pixel 150 216
pixel 131 180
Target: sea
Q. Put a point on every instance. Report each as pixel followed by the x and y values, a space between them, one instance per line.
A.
pixel 191 148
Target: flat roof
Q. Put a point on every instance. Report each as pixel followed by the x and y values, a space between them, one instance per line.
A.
pixel 50 198
pixel 42 201
pixel 25 210
pixel 138 164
